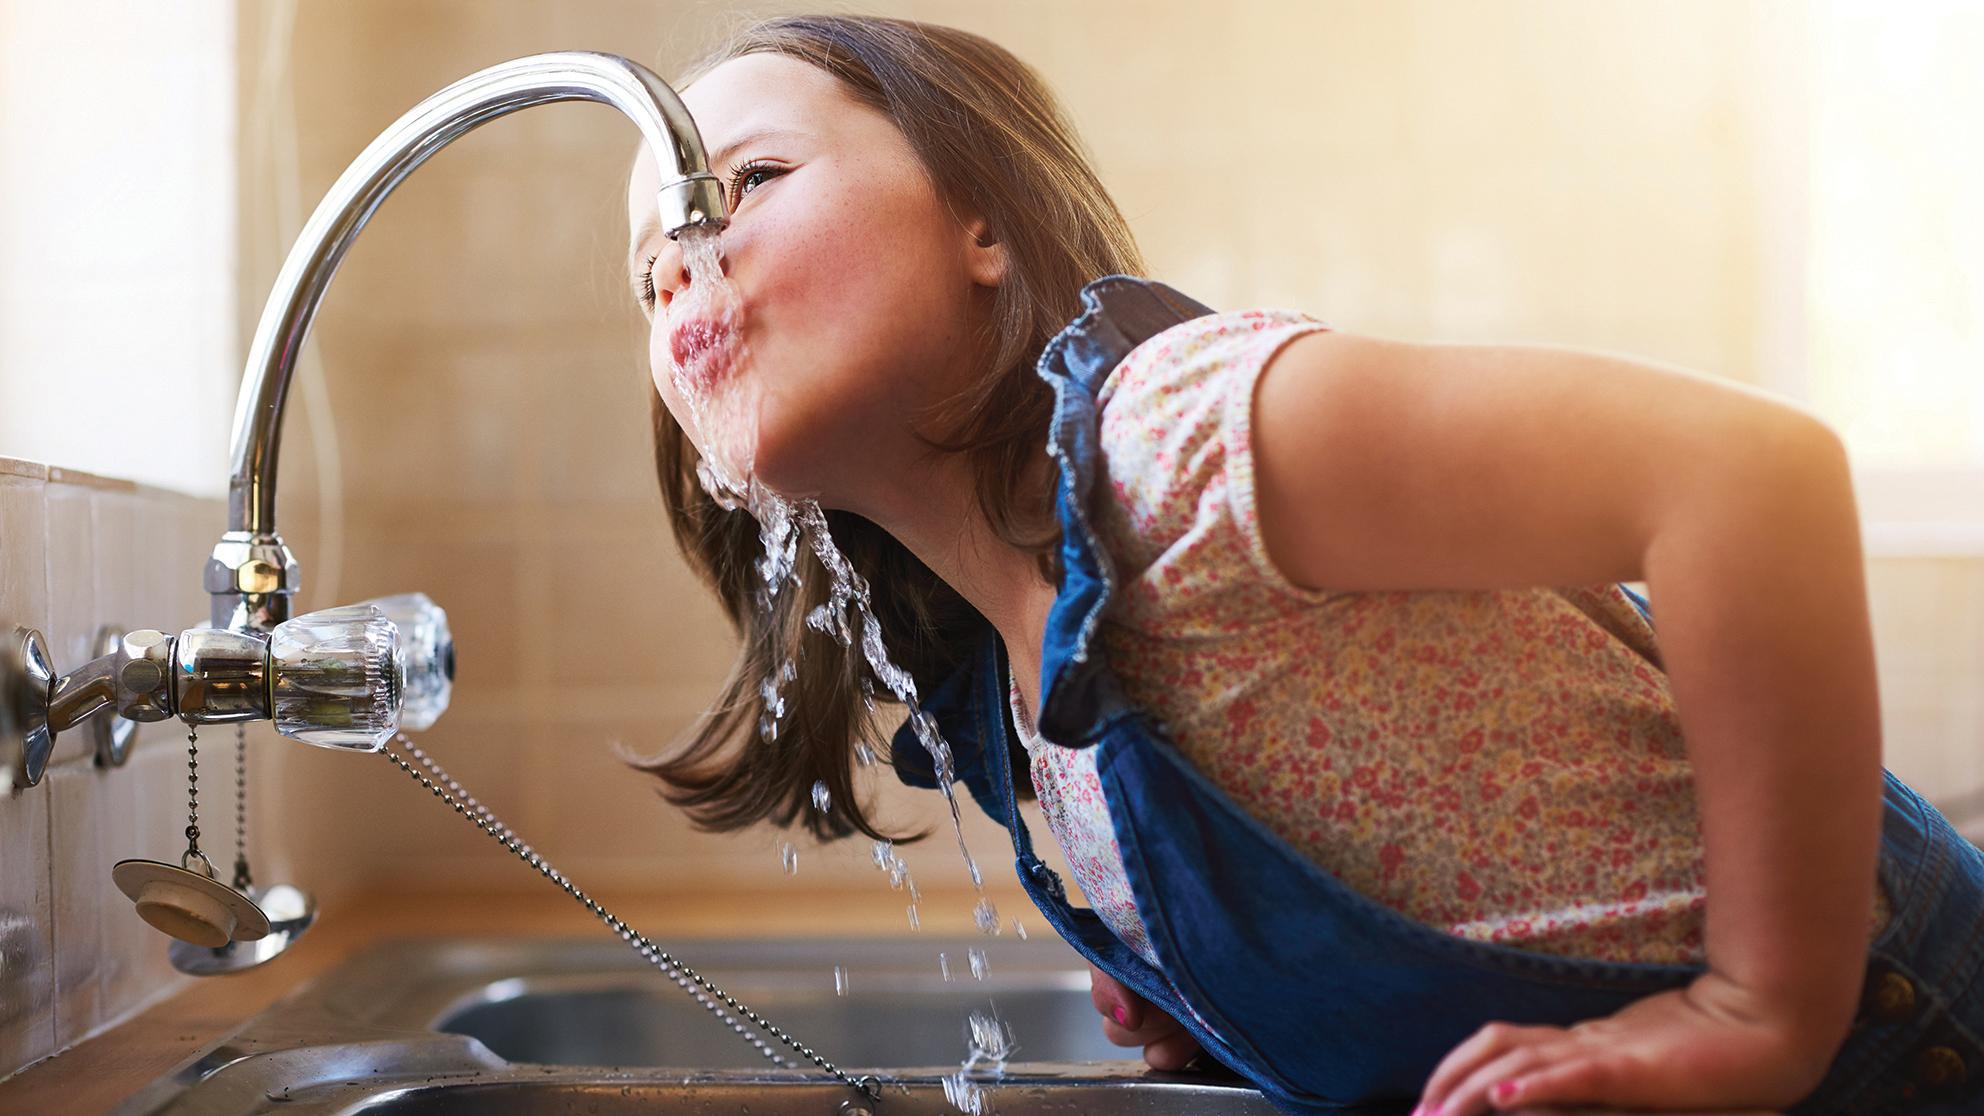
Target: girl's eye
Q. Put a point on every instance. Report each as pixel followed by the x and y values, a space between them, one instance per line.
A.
pixel 741 179
pixel 743 176
pixel 647 295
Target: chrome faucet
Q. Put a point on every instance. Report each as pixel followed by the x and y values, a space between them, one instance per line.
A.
pixel 385 668
pixel 252 574
pixel 343 678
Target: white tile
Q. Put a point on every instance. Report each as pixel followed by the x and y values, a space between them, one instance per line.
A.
pixel 71 565
pixel 80 880
pixel 23 535
pixel 27 963
pixel 198 525
pixel 119 929
pixel 113 515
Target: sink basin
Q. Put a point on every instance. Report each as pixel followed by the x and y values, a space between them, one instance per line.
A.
pixel 897 1011
pixel 505 1027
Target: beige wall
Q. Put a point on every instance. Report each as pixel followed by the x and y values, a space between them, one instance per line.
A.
pixel 1585 174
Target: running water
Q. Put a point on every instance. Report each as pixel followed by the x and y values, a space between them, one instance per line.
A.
pixel 709 365
pixel 708 350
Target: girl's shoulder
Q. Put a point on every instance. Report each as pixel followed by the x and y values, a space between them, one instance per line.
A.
pixel 1175 433
pixel 1192 355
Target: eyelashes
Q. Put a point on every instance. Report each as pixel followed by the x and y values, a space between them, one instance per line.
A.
pixel 739 174
pixel 646 293
pixel 733 195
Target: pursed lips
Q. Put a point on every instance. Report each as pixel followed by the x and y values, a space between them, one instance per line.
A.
pixel 698 342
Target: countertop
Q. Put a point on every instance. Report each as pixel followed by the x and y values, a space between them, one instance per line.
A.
pixel 97 1074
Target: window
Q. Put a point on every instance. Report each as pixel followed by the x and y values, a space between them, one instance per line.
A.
pixel 1893 236
pixel 118 348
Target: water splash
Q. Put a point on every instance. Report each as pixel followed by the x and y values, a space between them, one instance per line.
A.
pixel 979 965
pixel 714 382
pixel 710 373
pixel 988 1043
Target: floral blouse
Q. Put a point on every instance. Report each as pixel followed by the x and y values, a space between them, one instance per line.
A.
pixel 1503 765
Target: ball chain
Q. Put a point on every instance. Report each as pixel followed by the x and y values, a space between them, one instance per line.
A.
pixel 193 791
pixel 242 879
pixel 445 788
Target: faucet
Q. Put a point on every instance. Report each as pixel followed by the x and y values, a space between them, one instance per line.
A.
pixel 347 677
pixel 251 573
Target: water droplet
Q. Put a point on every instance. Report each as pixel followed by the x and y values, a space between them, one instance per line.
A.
pixel 840 980
pixel 979 966
pixel 822 800
pixel 914 922
pixel 987 917
pixel 788 858
pixel 944 965
pixel 864 755
pixel 1019 928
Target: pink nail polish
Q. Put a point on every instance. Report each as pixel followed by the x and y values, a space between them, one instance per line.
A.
pixel 1122 1017
pixel 1503 1092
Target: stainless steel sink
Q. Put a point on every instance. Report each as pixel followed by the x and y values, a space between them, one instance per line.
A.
pixel 470 1026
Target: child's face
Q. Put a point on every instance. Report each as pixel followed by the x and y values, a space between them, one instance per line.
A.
pixel 862 293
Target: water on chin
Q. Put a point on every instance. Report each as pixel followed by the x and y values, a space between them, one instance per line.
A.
pixel 724 412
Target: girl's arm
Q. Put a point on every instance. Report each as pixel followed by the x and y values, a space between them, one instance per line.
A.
pixel 1388 465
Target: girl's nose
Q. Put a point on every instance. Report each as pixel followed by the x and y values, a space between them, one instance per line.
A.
pixel 672 272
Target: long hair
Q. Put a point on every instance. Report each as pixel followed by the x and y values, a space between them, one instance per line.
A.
pixel 996 142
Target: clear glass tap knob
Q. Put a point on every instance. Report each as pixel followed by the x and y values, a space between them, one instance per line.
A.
pixel 336 678
pixel 427 651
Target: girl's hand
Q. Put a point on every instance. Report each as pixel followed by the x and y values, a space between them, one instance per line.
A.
pixel 1712 1045
pixel 1128 1020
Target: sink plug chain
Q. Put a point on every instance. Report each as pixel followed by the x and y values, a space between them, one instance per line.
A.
pixel 243 880
pixel 715 999
pixel 193 792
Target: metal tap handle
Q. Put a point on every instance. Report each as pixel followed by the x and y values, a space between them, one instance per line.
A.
pixel 336 678
pixel 428 652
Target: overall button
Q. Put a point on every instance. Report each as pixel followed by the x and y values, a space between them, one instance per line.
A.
pixel 1890 998
pixel 1938 1068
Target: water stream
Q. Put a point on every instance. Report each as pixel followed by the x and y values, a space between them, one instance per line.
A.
pixel 707 357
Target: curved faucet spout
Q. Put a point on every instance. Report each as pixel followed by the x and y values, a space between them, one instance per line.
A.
pixel 251 573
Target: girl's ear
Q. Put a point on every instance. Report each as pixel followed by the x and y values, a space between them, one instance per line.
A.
pixel 985 256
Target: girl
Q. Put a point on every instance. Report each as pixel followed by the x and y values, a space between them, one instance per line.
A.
pixel 1378 784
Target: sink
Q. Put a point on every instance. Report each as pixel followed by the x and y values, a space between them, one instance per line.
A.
pixel 510 1028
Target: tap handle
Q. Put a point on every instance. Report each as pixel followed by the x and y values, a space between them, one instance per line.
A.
pixel 428 652
pixel 336 678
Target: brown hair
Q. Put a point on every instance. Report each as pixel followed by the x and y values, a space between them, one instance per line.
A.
pixel 996 142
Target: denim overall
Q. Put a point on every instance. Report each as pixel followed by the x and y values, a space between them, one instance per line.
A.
pixel 1326 999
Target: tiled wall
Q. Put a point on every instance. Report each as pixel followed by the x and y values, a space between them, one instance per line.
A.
pixel 78 552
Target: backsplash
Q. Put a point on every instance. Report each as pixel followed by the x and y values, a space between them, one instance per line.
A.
pixel 78 552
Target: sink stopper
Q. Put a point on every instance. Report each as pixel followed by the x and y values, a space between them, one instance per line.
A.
pixel 290 909
pixel 185 900
pixel 188 903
